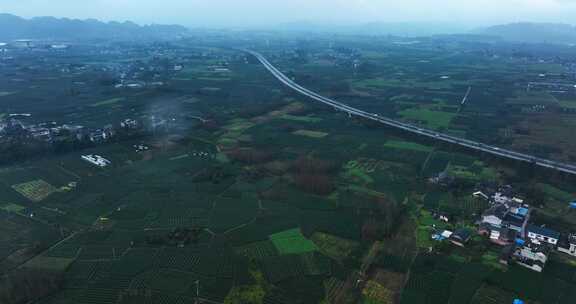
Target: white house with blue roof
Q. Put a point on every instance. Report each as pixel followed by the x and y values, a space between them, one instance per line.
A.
pixel 539 234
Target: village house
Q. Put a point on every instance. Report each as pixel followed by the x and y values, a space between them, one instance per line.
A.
pixel 503 195
pixel 96 160
pixel 502 198
pixel 567 244
pixel 501 236
pixel 503 222
pixel 532 256
pixel 460 237
pixel 494 216
pixel 129 123
pixel 443 179
pixel 98 136
pixel 540 235
pixel 516 221
pixel 75 131
pixel 481 194
pixel 40 133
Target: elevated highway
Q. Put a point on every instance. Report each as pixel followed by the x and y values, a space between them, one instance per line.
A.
pixel 478 146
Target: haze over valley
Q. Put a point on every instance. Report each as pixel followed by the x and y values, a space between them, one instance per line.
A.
pixel 287 152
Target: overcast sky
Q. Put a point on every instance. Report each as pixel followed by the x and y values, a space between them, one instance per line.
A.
pixel 269 12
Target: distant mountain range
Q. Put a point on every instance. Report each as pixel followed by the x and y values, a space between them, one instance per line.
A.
pixel 14 27
pixel 406 29
pixel 519 32
pixel 533 32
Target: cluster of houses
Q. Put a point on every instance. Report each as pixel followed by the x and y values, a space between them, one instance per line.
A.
pixel 53 132
pixel 507 223
pixel 137 84
pixel 558 87
pixel 140 147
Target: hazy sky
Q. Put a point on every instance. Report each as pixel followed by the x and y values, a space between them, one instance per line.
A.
pixel 264 12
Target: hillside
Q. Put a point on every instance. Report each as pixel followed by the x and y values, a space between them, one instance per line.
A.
pixel 403 29
pixel 534 32
pixel 14 27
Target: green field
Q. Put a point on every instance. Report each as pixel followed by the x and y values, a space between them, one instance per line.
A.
pixel 4 94
pixel 333 246
pixel 432 119
pixel 251 193
pixel 378 83
pixel 533 98
pixel 555 193
pixel 357 173
pixel 49 263
pixel 108 102
pixel 36 190
pixel 569 104
pixel 212 78
pixel 292 242
pixel 310 133
pixel 301 118
pixel 407 146
pixel 12 207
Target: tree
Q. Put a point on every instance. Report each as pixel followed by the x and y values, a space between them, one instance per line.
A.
pixel 306 164
pixel 385 218
pixel 388 213
pixel 313 175
pixel 371 230
pixel 249 155
pixel 314 183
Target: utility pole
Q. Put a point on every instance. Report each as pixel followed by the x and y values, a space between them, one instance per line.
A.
pixel 197 300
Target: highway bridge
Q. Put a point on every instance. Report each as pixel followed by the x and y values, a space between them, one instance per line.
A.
pixel 546 163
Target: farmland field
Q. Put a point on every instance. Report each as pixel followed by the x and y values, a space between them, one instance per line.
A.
pixel 310 133
pixel 292 241
pixel 107 102
pixel 432 119
pixel 227 186
pixel 35 191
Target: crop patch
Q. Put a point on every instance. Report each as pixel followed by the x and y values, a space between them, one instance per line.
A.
pixel 36 190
